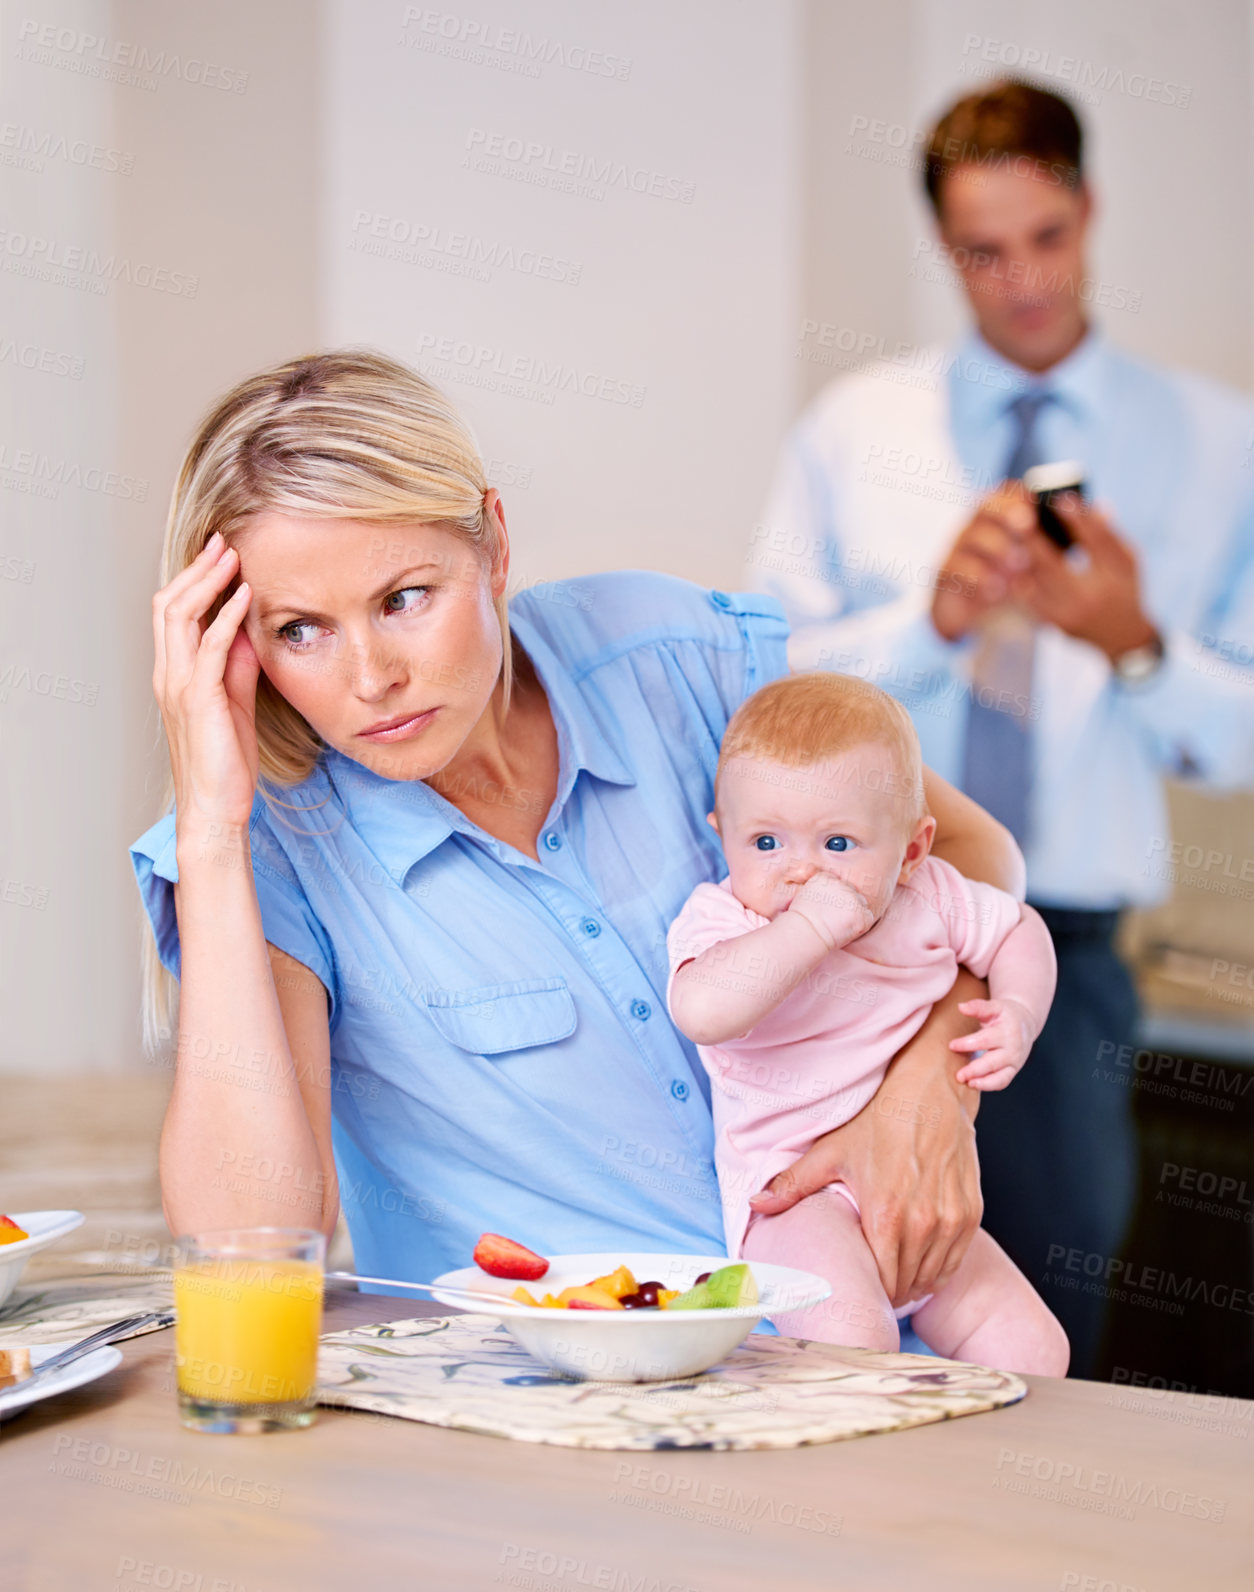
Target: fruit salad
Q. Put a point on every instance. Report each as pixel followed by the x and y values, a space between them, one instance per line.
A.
pixel 728 1288
pixel 10 1232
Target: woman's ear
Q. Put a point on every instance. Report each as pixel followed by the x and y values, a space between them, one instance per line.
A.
pixel 500 565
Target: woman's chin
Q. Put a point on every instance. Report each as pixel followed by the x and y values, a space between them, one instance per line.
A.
pixel 397 760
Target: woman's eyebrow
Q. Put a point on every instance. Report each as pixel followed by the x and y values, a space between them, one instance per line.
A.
pixel 393 583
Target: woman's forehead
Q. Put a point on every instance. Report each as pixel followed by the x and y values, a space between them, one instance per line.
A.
pixel 294 551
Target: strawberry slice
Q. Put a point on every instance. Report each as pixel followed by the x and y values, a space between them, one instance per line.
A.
pixel 502 1257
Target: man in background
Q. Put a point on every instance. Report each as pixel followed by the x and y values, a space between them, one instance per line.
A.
pixel 1055 687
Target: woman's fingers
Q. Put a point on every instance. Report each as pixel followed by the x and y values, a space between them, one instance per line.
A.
pixel 183 616
pixel 218 636
pixel 806 1175
pixel 240 673
pixel 883 1226
pixel 914 1239
pixel 204 560
pixel 943 1257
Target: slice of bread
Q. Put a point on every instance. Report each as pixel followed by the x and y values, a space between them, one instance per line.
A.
pixel 14 1366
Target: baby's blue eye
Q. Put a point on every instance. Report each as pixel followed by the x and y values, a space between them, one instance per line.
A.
pixel 838 842
pixel 766 842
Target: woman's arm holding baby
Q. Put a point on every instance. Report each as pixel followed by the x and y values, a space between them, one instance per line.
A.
pixel 971 840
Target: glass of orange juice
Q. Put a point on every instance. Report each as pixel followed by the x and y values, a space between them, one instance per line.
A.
pixel 249 1310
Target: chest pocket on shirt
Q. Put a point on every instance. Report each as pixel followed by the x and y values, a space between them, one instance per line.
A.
pixel 497 1017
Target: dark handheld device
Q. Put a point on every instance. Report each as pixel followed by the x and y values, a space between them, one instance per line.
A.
pixel 1045 482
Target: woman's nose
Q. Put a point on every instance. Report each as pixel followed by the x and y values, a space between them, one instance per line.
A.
pixel 373 668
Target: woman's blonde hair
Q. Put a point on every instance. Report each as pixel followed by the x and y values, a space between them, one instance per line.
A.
pixel 346 435
pixel 803 719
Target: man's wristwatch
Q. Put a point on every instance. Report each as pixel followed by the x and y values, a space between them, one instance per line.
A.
pixel 1141 663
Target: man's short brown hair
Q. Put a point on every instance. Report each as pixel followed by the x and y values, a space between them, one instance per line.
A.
pixel 1008 123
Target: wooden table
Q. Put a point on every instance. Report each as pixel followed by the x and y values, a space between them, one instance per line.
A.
pixel 1080 1486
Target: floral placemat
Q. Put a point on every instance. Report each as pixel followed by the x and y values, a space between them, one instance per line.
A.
pixel 471 1373
pixel 66 1309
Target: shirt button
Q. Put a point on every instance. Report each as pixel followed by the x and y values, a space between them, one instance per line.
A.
pixel 679 1089
pixel 553 841
pixel 642 1010
pixel 720 599
pixel 591 927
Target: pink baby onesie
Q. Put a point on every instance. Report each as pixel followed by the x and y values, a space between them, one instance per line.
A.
pixel 816 1060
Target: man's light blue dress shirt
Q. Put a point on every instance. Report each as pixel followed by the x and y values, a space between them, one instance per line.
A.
pixel 880 474
pixel 502 1057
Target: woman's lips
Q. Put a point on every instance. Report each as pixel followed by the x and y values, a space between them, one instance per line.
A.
pixel 400 731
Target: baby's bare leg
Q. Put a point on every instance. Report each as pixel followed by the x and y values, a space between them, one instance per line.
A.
pixel 991 1314
pixel 822 1234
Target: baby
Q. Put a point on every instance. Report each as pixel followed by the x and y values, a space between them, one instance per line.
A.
pixel 801 975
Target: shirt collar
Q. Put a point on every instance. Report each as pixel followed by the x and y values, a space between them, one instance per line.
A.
pixel 402 821
pixel 982 382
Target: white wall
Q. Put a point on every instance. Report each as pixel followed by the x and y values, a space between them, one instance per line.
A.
pixel 63 963
pixel 688 303
pixel 169 175
pixel 702 305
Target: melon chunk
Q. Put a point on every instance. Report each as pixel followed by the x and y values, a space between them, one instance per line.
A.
pixel 728 1288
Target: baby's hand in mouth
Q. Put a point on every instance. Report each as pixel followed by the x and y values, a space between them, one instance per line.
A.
pixel 836 910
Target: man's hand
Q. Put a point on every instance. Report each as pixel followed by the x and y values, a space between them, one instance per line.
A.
pixel 1004 1040
pixel 909 1157
pixel 834 910
pixel 1098 601
pixel 990 551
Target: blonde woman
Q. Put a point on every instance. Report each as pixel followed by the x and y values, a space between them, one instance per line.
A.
pixel 424 851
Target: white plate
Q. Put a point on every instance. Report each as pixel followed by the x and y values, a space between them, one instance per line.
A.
pixel 44 1227
pixel 633 1345
pixel 97 1363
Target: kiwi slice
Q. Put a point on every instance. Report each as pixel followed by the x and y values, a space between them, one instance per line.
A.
pixel 728 1288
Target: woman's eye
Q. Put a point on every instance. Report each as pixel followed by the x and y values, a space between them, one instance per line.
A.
pixel 395 602
pixel 838 842
pixel 766 843
pixel 291 633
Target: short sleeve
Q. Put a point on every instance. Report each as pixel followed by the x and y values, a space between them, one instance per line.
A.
pixel 763 633
pixel 710 915
pixel 287 920
pixel 975 918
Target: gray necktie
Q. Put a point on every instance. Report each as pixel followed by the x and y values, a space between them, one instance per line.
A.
pixel 997 761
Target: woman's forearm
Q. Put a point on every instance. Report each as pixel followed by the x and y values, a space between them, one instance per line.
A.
pixel 923 1072
pixel 971 840
pixel 237 1148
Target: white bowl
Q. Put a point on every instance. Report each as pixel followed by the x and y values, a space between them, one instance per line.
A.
pixel 632 1345
pixel 44 1227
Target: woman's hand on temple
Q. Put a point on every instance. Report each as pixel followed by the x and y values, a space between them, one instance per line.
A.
pixel 205 683
pixel 909 1157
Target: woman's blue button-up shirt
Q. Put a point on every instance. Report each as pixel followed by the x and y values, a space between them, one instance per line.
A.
pixel 502 1058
